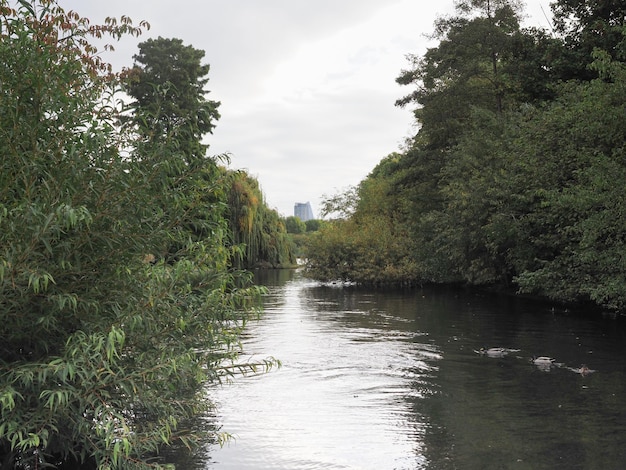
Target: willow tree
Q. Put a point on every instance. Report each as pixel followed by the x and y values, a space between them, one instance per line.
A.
pixel 103 353
pixel 257 230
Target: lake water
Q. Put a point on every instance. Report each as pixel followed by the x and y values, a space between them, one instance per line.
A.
pixel 392 380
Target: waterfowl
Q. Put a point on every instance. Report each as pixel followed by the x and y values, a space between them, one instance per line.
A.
pixel 495 352
pixel 543 360
pixel 492 352
pixel 543 363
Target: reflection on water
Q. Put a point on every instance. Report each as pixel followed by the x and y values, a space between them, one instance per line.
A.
pixel 342 398
pixel 392 380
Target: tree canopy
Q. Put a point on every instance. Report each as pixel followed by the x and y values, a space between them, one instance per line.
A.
pixel 585 25
pixel 168 85
pixel 506 182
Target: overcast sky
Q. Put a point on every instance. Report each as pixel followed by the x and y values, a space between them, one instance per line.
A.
pixel 307 86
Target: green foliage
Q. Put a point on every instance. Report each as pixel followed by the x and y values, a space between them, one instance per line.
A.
pixel 587 25
pixel 294 225
pixel 302 241
pixel 473 209
pixel 255 227
pixel 331 253
pixel 341 205
pixel 168 83
pixel 368 248
pixel 313 225
pixel 574 213
pixel 467 68
pixel 107 337
pixel 515 176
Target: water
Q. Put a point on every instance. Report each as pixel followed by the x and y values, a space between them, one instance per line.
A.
pixel 391 380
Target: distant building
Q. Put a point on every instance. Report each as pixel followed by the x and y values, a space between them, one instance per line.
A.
pixel 303 211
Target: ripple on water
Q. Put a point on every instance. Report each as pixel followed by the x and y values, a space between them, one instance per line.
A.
pixel 345 397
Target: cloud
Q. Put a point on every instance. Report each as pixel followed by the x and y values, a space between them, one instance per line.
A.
pixel 307 87
pixel 314 146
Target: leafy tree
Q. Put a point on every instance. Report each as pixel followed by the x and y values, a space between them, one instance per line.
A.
pixel 532 66
pixel 465 69
pixel 571 245
pixel 475 222
pixel 278 250
pixel 586 25
pixel 256 229
pixel 482 70
pixel 371 246
pixel 168 86
pixel 103 354
pixel 295 225
pixel 341 205
pixel 331 253
pixel 514 177
pixel 313 225
pixel 171 115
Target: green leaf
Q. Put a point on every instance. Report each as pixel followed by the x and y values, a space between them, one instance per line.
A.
pixel 27 5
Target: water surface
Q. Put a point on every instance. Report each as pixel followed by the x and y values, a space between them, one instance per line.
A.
pixel 392 380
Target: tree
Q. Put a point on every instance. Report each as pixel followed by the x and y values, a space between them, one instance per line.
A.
pixel 341 205
pixel 102 353
pixel 257 230
pixel 585 25
pixel 467 68
pixel 313 225
pixel 168 88
pixel 295 225
pixel 371 247
pixel 171 116
pixel 531 66
pixel 571 245
pixel 475 223
pixel 515 177
pixel 481 72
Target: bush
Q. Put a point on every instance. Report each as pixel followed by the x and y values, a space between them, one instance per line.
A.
pixel 103 354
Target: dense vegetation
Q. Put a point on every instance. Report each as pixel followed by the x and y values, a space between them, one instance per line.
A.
pixel 515 177
pixel 168 84
pixel 301 233
pixel 258 229
pixel 119 293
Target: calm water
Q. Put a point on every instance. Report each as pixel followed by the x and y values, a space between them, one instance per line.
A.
pixel 391 380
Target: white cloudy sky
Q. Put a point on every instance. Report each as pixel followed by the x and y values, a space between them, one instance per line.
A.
pixel 307 86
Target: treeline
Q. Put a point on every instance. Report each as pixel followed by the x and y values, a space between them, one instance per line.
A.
pixel 121 243
pixel 516 176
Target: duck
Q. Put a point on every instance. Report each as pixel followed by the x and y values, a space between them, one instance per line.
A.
pixel 542 360
pixel 495 352
pixel 492 352
pixel 543 363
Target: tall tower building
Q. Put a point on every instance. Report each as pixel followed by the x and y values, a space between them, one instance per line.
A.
pixel 303 211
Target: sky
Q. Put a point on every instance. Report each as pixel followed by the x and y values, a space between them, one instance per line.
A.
pixel 307 87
